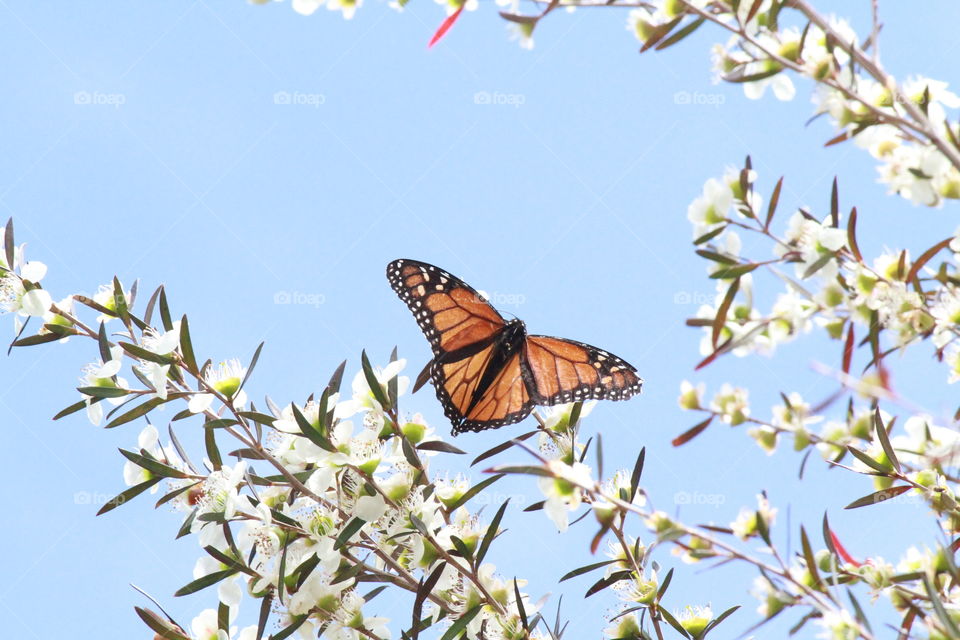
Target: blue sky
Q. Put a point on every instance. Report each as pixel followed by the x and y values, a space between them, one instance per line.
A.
pixel 146 141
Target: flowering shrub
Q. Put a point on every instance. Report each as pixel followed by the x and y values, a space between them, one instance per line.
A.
pixel 313 507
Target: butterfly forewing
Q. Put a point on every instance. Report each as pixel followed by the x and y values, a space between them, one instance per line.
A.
pixel 450 312
pixel 567 371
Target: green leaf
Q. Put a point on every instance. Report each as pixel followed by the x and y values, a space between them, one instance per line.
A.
pixel 835 205
pixel 9 248
pixel 409 453
pixel 728 273
pixel 372 381
pixel 103 344
pixel 491 533
pixel 926 257
pixel 666 615
pixel 774 201
pixel 536 506
pixel 187 523
pixel 519 19
pixel 103 392
pixel 213 451
pixel 230 563
pixel 460 624
pixel 337 378
pixel 716 621
pixel 722 311
pixel 151 303
pixel 138 411
pixel 635 476
pixel 424 589
pixel 885 439
pixel 809 558
pixel 253 363
pixel 76 406
pixel 522 470
pixel 878 496
pixel 763 528
pixel 393 383
pixel 585 569
pixel 308 429
pixel 287 631
pixel 120 301
pixel 348 572
pixel 820 263
pixel 39 338
pixel 282 573
pixel 472 491
pixel 664 585
pixel 219 423
pixel 348 532
pixel 152 465
pixel 606 581
pixel 692 432
pixel 867 460
pixel 852 235
pixel 127 495
pixel 265 608
pixel 176 492
pixel 680 35
pixel 521 612
pixel 204 582
pixel 945 619
pixel 186 347
pixel 709 235
pixel 715 257
pixel 163 628
pixel 739 76
pixel 144 354
pixel 659 32
pixel 165 317
pixel 439 445
pixel 858 611
pixel 259 418
pixel 462 549
pixel 500 448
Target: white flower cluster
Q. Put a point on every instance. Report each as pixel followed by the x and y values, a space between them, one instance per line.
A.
pixel 905 126
pixel 359 477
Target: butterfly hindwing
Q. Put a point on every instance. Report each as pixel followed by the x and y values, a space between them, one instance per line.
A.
pixel 568 371
pixel 451 314
pixel 505 401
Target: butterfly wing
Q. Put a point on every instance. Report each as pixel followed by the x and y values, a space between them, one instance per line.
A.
pixel 567 371
pixel 451 314
pixel 462 329
pixel 504 401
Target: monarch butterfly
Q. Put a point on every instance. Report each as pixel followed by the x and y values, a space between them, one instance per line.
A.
pixel 487 371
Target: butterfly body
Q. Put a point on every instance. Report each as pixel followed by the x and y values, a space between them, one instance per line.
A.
pixel 488 372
